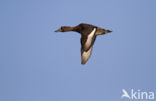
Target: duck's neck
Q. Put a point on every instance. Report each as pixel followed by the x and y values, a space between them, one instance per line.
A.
pixel 67 28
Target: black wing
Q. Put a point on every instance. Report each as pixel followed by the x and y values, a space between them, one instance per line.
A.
pixel 87 45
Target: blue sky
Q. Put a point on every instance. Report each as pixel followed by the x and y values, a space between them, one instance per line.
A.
pixel 37 64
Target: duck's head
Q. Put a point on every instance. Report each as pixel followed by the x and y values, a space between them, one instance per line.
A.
pixel 59 30
pixel 64 29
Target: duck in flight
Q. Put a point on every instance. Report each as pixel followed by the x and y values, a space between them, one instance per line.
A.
pixel 88 35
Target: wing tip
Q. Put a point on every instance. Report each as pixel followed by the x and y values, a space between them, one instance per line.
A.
pixel 83 62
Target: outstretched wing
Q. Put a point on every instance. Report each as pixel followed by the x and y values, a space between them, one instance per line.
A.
pixel 87 45
pixel 88 40
pixel 85 55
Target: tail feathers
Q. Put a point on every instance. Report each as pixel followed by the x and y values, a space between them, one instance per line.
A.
pixel 108 31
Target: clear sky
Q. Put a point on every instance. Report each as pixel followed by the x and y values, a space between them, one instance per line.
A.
pixel 37 64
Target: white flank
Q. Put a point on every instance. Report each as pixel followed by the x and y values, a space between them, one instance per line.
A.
pixel 86 55
pixel 90 39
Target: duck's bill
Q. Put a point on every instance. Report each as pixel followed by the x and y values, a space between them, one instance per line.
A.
pixel 59 30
